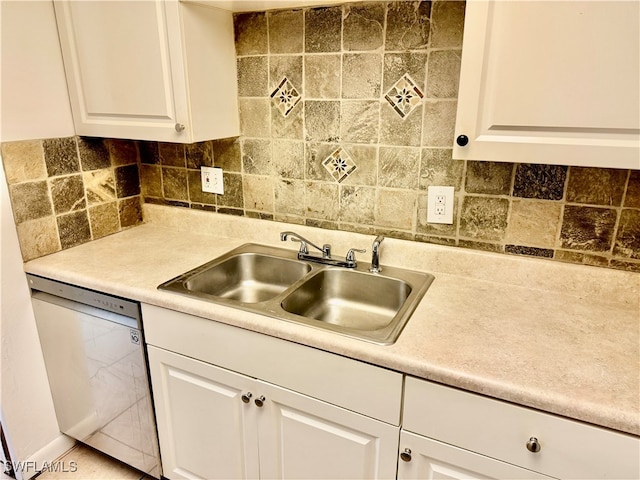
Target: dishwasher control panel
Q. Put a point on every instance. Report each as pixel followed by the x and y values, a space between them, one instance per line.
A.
pixel 92 298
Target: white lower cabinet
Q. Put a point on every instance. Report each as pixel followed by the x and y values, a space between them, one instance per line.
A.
pixel 231 403
pixel 204 428
pixel 424 458
pixel 214 423
pixel 301 437
pixel 456 434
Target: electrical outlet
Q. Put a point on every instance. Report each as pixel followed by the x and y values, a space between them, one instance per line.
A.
pixel 212 180
pixel 440 205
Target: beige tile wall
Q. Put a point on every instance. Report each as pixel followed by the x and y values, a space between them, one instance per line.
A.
pixel 68 191
pixel 340 64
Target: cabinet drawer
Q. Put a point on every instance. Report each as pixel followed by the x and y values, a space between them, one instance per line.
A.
pixel 357 386
pixel 568 448
pixel 432 460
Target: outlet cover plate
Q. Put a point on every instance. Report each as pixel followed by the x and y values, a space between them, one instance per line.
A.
pixel 212 180
pixel 440 201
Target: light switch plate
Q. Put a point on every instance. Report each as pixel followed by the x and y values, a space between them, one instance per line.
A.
pixel 212 180
pixel 440 202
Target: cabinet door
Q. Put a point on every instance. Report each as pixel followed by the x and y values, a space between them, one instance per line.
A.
pixel 423 458
pixel 125 75
pixel 301 437
pixel 205 429
pixel 551 82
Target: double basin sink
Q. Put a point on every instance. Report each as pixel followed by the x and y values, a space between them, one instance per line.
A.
pixel 273 281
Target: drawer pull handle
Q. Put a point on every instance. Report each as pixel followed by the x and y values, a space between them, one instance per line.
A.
pixel 260 401
pixel 246 397
pixel 179 127
pixel 533 445
pixel 406 455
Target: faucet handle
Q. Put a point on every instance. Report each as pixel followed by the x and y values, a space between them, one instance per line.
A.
pixel 351 255
pixel 303 245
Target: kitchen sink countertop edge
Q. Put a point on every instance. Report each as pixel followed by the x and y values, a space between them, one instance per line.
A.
pixel 557 337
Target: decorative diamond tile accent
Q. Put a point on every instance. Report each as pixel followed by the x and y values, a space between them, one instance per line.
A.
pixel 339 164
pixel 404 96
pixel 285 97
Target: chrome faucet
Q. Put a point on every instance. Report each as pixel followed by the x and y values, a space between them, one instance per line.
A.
pixel 326 248
pixel 303 254
pixel 375 255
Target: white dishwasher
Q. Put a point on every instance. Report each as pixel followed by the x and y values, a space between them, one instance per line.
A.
pixel 94 354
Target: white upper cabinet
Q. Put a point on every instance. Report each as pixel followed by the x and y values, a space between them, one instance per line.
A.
pixel 149 70
pixel 551 82
pixel 33 88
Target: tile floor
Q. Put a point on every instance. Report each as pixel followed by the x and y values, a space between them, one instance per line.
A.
pixel 89 464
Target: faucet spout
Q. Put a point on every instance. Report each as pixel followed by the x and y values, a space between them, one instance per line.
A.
pixel 326 249
pixel 375 255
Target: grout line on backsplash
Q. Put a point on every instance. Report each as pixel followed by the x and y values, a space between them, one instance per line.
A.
pixel 626 187
pixel 619 214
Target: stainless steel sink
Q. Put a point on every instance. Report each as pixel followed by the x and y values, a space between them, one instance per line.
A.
pixel 248 277
pixel 349 299
pixel 274 282
pixel 248 274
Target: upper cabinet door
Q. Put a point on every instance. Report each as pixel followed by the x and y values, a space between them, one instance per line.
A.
pixel 149 70
pixel 551 82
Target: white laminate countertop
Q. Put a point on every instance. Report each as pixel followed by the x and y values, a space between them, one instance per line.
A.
pixel 557 337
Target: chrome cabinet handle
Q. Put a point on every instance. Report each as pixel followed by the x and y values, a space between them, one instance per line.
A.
pixel 533 445
pixel 179 127
pixel 406 455
pixel 246 397
pixel 260 401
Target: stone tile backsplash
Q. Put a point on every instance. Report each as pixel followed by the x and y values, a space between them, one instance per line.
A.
pixel 347 116
pixel 68 191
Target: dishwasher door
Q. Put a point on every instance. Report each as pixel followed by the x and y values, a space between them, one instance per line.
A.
pixel 98 378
